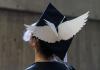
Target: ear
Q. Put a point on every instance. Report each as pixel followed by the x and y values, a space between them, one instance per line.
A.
pixel 33 42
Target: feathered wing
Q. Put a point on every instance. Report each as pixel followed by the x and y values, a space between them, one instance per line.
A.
pixel 45 33
pixel 68 29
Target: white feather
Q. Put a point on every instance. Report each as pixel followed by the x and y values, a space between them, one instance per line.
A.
pixel 27 35
pixel 69 28
pixel 30 27
pixel 29 30
pixel 52 26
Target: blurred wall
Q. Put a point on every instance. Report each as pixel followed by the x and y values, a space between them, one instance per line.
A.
pixel 16 55
pixel 84 51
pixel 67 7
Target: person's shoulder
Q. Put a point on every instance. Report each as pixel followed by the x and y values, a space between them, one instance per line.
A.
pixel 30 67
pixel 50 66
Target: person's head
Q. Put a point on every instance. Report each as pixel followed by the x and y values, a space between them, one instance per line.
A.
pixel 49 49
pixel 40 48
pixel 49 33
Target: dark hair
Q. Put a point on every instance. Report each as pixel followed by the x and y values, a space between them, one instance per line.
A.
pixel 59 48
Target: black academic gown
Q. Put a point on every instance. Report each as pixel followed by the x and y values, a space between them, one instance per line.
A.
pixel 50 66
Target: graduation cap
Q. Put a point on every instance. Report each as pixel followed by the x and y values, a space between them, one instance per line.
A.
pixel 54 30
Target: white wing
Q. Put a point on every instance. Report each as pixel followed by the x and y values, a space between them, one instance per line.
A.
pixel 52 26
pixel 69 28
pixel 45 33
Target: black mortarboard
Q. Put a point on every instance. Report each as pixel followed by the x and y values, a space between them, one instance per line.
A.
pixel 53 15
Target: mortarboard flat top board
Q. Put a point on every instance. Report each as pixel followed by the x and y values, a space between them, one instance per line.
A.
pixel 51 14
